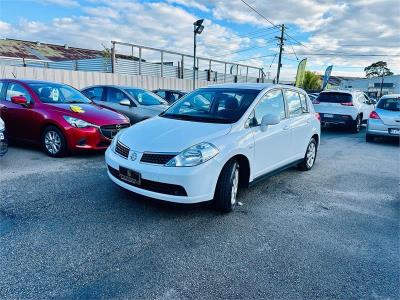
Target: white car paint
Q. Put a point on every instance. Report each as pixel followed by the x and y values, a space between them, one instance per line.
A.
pixel 266 151
pixel 360 106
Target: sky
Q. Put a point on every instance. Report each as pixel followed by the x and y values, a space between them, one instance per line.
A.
pixel 348 34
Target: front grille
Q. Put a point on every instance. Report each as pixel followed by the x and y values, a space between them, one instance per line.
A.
pixel 109 131
pixel 156 158
pixel 121 149
pixel 154 186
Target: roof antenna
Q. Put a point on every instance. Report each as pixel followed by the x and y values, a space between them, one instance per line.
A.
pixel 14 75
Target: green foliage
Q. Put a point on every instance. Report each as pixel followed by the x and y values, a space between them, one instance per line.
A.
pixel 377 69
pixel 311 82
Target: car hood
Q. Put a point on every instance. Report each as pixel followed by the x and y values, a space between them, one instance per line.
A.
pixel 91 113
pixel 160 134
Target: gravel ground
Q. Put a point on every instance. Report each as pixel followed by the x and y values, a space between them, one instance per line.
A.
pixel 66 231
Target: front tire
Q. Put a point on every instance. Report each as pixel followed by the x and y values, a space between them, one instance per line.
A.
pixel 309 158
pixel 225 196
pixel 53 142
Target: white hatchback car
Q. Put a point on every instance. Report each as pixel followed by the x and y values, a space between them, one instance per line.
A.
pixel 215 140
pixel 343 108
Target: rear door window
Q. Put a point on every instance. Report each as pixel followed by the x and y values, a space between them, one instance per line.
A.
pixel 303 101
pixel 95 93
pixel 334 97
pixel 294 103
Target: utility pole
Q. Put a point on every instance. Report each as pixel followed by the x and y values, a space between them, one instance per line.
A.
pixel 281 43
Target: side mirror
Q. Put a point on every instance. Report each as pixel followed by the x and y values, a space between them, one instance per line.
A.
pixel 21 100
pixel 125 102
pixel 269 120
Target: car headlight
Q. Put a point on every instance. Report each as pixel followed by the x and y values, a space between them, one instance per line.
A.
pixel 194 155
pixel 78 123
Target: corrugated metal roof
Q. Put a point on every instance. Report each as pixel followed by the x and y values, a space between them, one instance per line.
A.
pixel 43 51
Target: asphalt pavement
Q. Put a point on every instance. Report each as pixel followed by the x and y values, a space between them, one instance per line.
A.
pixel 68 232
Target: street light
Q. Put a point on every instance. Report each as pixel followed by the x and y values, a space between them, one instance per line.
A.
pixel 197 29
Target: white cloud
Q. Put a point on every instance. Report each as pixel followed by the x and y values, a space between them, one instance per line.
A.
pixel 190 3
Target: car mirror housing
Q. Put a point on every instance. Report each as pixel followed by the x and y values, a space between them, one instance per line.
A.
pixel 19 100
pixel 125 102
pixel 267 120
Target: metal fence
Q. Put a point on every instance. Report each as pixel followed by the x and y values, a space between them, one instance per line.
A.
pixel 148 61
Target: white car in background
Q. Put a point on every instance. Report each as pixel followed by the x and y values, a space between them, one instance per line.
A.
pixel 3 138
pixel 385 119
pixel 343 108
pixel 215 140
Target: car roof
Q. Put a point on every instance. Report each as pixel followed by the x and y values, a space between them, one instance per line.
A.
pixel 250 86
pixel 391 96
pixel 115 86
pixel 29 81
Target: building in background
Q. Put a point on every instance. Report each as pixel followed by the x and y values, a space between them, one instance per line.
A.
pixel 372 86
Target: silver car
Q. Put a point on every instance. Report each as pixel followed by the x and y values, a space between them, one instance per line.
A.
pixel 385 119
pixel 136 103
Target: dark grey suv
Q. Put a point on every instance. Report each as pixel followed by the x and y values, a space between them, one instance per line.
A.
pixel 136 103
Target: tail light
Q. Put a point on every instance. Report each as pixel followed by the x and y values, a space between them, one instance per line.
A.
pixel 347 103
pixel 374 115
pixel 317 115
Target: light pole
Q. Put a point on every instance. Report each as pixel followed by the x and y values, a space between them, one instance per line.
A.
pixel 197 29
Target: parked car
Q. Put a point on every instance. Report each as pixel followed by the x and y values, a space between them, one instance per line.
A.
pixel 3 139
pixel 137 104
pixel 385 119
pixel 169 95
pixel 56 116
pixel 343 108
pixel 214 140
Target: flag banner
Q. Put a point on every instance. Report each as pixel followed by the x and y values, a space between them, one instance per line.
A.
pixel 328 72
pixel 301 69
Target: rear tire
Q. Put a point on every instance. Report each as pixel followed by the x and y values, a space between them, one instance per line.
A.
pixel 369 138
pixel 356 127
pixel 310 156
pixel 53 142
pixel 225 196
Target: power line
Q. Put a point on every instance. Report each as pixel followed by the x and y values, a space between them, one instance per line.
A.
pixel 246 49
pixel 255 57
pixel 347 54
pixel 260 14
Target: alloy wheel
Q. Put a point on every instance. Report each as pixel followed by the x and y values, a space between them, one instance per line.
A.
pixel 52 142
pixel 311 153
pixel 235 186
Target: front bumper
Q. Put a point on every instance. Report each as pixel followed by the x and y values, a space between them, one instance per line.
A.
pixel 377 127
pixel 198 182
pixel 90 138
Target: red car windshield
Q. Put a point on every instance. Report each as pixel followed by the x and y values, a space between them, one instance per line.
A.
pixel 58 93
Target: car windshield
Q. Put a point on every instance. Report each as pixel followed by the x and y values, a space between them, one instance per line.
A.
pixel 334 97
pixel 212 105
pixel 144 97
pixel 58 93
pixel 390 104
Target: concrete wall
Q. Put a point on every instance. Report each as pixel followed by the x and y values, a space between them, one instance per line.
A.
pixel 81 79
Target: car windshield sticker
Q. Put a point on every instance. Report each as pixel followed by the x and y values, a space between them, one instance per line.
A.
pixel 77 109
pixel 55 95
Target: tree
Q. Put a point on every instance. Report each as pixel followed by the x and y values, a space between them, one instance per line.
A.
pixel 311 82
pixel 378 69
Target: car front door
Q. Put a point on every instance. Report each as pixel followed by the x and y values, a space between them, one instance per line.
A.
pixel 113 101
pixel 272 146
pixel 300 122
pixel 19 119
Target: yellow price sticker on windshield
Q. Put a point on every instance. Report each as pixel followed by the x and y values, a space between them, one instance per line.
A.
pixel 77 109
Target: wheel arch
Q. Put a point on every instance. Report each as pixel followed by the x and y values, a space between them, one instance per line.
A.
pixel 244 168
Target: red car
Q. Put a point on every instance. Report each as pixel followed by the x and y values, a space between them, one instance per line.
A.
pixel 56 116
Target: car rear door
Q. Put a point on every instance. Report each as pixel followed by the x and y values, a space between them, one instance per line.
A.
pixel 300 122
pixel 271 147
